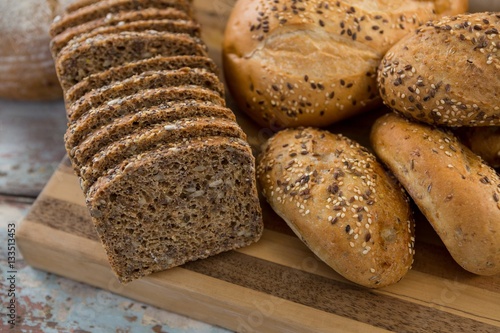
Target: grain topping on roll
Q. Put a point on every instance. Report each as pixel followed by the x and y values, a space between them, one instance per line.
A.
pixel 339 200
pixel 454 189
pixel 446 73
pixel 312 63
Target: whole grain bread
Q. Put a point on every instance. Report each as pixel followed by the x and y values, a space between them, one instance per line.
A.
pixel 146 80
pixel 105 7
pixel 144 119
pixel 79 130
pixel 162 25
pixel 176 204
pixel 338 199
pixel 457 193
pixel 112 19
pixel 446 73
pixel 120 73
pixel 152 138
pixel 77 61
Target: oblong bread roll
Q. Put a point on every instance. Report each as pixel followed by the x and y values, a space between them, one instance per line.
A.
pixel 454 189
pixel 340 201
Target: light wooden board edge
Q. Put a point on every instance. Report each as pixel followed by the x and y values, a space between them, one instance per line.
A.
pixel 179 290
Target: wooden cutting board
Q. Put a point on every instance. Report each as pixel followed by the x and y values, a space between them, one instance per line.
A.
pixel 275 285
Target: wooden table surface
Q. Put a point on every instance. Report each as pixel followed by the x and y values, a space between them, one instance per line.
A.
pixel 31 147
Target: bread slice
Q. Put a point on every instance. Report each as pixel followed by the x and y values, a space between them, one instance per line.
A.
pixel 105 7
pixel 180 203
pixel 167 25
pixel 77 4
pixel 144 119
pixel 146 80
pixel 79 60
pixel 149 139
pixel 112 19
pixel 120 73
pixel 77 131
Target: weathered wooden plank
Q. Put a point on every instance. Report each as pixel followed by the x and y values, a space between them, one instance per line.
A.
pixel 31 145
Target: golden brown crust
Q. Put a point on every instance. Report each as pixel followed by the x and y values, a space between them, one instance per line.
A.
pixel 311 63
pixel 459 195
pixel 450 7
pixel 446 73
pixel 483 141
pixel 340 201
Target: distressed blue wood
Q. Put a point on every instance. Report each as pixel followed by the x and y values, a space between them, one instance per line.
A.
pixel 51 304
pixel 31 145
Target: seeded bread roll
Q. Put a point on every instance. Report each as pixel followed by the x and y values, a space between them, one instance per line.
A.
pixel 454 189
pixel 446 73
pixel 483 141
pixel 312 63
pixel 340 201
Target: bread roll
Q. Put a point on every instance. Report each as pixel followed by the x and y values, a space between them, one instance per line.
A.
pixel 26 66
pixel 339 200
pixel 484 6
pixel 446 73
pixel 450 7
pixel 454 189
pixel 483 141
pixel 312 63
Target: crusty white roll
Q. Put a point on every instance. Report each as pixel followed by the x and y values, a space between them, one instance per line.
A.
pixel 312 63
pixel 446 73
pixel 27 70
pixel 341 202
pixel 454 189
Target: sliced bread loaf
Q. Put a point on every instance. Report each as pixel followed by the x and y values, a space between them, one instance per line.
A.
pixel 112 19
pixel 95 118
pixel 164 25
pixel 105 7
pixel 120 73
pixel 146 80
pixel 144 119
pixel 153 138
pixel 79 60
pixel 176 204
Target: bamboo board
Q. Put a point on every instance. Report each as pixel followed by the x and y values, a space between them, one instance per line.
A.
pixel 275 285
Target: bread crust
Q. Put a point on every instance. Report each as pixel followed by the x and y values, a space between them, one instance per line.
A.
pixel 450 7
pixel 113 19
pixel 313 63
pixel 446 73
pixel 339 200
pixel 168 202
pixel 483 141
pixel 454 189
pixel 27 70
